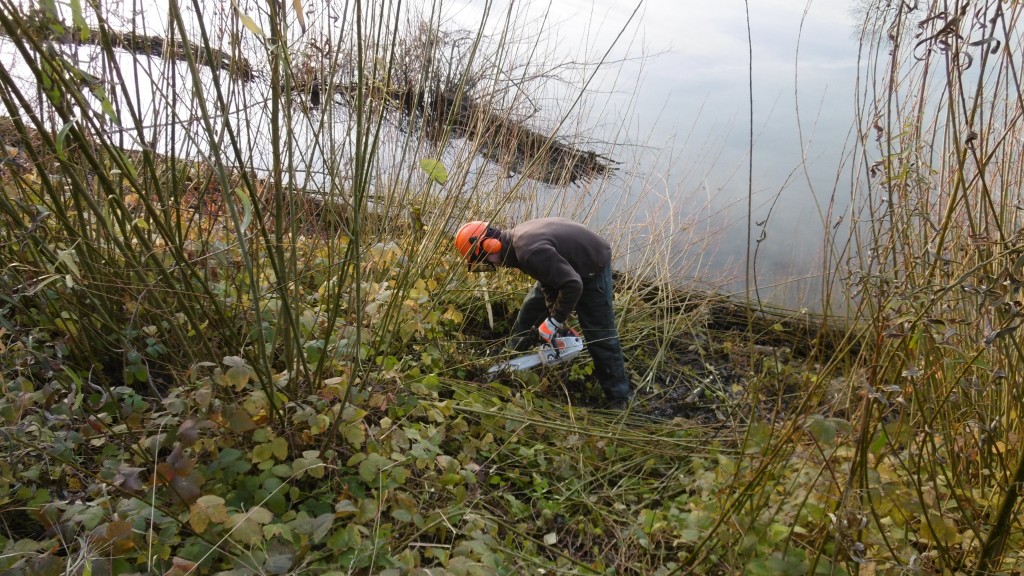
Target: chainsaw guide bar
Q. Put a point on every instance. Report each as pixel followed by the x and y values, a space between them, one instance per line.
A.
pixel 561 350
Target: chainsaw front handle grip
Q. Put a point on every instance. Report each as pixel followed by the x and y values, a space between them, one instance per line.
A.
pixel 549 329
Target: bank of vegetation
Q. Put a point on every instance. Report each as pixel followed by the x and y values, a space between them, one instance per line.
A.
pixel 214 367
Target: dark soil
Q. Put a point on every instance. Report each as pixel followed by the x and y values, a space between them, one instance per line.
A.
pixel 706 378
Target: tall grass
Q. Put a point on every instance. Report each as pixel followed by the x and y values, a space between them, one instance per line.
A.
pixel 939 277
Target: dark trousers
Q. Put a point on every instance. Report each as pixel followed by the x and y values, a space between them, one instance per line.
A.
pixel 597 319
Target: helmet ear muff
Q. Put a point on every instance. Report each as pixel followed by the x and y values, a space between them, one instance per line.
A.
pixel 476 240
pixel 491 245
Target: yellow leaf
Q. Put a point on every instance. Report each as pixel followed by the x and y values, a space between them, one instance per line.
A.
pixel 319 424
pixel 198 519
pixel 237 377
pixel 334 388
pixel 246 526
pixel 66 324
pixel 354 434
pixel 251 24
pixel 215 508
pixel 435 169
pixel 261 515
pixel 256 404
pixel 279 446
pixel 207 509
pixel 297 4
pixel 262 453
pixel 940 530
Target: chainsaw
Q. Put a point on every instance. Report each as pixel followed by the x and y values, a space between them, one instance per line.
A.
pixel 560 349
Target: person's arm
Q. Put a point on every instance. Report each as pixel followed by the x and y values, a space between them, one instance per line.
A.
pixel 555 274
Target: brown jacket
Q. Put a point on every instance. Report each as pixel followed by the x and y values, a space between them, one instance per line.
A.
pixel 559 254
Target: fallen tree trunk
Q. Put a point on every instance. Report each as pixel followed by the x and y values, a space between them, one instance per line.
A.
pixel 501 138
pixel 45 28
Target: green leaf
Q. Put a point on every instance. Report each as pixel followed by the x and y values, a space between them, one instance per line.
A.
pixel 776 532
pixel 354 434
pixel 368 510
pixel 319 424
pixel 247 526
pixel 79 20
pixel 322 525
pixel 67 258
pixel 822 429
pixel 774 565
pixel 282 471
pixel 759 436
pixel 246 208
pixel 435 169
pixel 50 7
pixel 878 442
pixel 344 508
pixel 370 468
pixel 240 421
pixel 308 465
pixel 125 163
pixel 61 137
pixel 141 373
pixel 279 559
pixel 940 529
pixel 105 103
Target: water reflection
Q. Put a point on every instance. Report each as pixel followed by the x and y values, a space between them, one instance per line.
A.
pixel 690 93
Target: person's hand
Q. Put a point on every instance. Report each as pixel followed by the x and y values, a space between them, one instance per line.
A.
pixel 549 329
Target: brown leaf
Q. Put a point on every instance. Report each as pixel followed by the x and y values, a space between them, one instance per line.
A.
pixel 182 463
pixel 128 478
pixel 187 490
pixel 181 567
pixel 190 430
pixel 240 421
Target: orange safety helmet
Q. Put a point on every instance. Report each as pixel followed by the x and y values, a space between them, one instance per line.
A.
pixel 475 240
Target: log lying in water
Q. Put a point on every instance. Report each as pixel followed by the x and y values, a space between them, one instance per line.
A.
pixel 501 139
pixel 45 28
